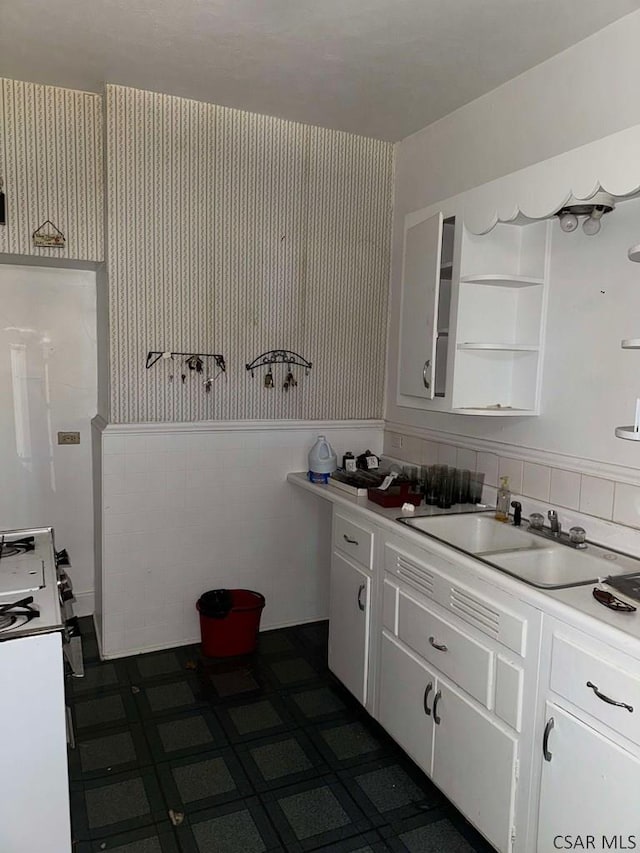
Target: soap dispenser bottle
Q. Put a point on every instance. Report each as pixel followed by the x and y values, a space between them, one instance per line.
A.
pixel 503 500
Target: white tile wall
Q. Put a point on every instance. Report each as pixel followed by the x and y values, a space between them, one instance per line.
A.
pixel 536 481
pixel 593 496
pixel 185 511
pixel 565 488
pixel 596 496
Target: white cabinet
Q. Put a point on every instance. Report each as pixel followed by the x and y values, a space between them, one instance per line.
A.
pixel 471 758
pixel 349 609
pixel 589 787
pixel 588 749
pixel 472 315
pixel 350 603
pixel 426 290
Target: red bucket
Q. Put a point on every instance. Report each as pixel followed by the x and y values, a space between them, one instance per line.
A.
pixel 236 631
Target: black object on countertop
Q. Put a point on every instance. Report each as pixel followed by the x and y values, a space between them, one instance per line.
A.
pixel 517 513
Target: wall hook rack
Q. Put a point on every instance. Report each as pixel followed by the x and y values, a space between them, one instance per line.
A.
pixel 154 356
pixel 278 356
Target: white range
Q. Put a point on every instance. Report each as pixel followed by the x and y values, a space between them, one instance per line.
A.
pixel 37 631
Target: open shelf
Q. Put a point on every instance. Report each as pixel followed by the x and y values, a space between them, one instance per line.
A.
pixel 503 280
pixel 630 343
pixel 493 411
pixel 471 345
pixel 627 432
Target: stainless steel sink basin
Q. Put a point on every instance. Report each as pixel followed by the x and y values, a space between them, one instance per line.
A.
pixel 552 567
pixel 476 534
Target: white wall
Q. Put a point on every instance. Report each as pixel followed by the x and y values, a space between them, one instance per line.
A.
pixel 589 383
pixel 48 383
pixel 192 507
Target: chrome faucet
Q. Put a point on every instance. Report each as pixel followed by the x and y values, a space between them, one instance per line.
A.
pixel 554 524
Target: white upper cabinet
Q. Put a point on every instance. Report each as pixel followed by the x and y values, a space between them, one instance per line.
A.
pixel 421 274
pixel 472 317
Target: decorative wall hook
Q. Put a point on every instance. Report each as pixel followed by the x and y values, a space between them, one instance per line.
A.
pixel 194 360
pixel 279 356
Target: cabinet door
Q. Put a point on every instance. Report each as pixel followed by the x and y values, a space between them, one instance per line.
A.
pixel 420 291
pixel 474 764
pixel 407 689
pixel 349 625
pixel 589 787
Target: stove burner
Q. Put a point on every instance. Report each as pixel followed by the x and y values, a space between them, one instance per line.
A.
pixel 17 546
pixel 17 613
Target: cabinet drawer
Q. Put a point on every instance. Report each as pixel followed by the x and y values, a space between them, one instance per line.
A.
pixel 353 540
pixel 462 658
pixel 573 669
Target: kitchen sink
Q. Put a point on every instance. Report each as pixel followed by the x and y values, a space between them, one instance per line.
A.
pixel 530 558
pixel 551 567
pixel 475 534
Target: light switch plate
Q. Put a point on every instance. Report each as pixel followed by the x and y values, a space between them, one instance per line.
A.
pixel 68 438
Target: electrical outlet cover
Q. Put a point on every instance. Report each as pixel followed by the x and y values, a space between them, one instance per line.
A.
pixel 68 438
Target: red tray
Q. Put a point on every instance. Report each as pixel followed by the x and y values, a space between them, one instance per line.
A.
pixel 394 496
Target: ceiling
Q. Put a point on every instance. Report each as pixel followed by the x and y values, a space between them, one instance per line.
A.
pixel 382 68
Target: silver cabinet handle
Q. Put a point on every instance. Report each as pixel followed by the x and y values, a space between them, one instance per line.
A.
pixel 545 739
pixel 361 589
pixel 608 700
pixel 439 646
pixel 426 367
pixel 436 699
pixel 350 541
pixel 427 690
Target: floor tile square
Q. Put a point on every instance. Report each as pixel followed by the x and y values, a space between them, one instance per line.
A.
pixel 203 780
pixel 255 717
pixel 104 710
pixel 318 702
pixel 234 682
pixel 184 734
pixel 117 802
pixel 157 664
pixel 389 788
pixel 314 812
pixel 98 677
pixel 350 741
pixel 240 827
pixel 274 642
pixel 292 670
pixel 102 752
pixel 438 837
pixel 282 760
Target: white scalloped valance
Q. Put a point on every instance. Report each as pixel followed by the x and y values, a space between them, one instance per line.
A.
pixel 537 192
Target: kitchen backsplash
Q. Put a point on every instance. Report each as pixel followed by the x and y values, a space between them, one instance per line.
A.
pixel 235 233
pixel 560 488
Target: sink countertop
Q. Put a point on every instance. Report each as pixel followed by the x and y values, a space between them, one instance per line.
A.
pixel 575 605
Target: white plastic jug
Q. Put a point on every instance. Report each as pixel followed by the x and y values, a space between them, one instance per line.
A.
pixel 322 459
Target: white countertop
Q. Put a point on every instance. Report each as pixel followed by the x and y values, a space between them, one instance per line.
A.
pixel 576 605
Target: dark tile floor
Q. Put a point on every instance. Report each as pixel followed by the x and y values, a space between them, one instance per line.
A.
pixel 176 752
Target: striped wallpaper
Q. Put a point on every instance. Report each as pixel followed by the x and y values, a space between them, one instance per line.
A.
pixel 238 233
pixel 51 166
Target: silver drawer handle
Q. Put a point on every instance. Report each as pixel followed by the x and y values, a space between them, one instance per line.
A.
pixel 438 646
pixel 545 739
pixel 350 541
pixel 360 591
pixel 607 699
pixel 426 367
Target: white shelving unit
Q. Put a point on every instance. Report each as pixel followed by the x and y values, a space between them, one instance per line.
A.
pixel 500 320
pixel 629 433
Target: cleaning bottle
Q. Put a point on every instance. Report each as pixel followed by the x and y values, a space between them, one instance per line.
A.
pixel 322 461
pixel 503 500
